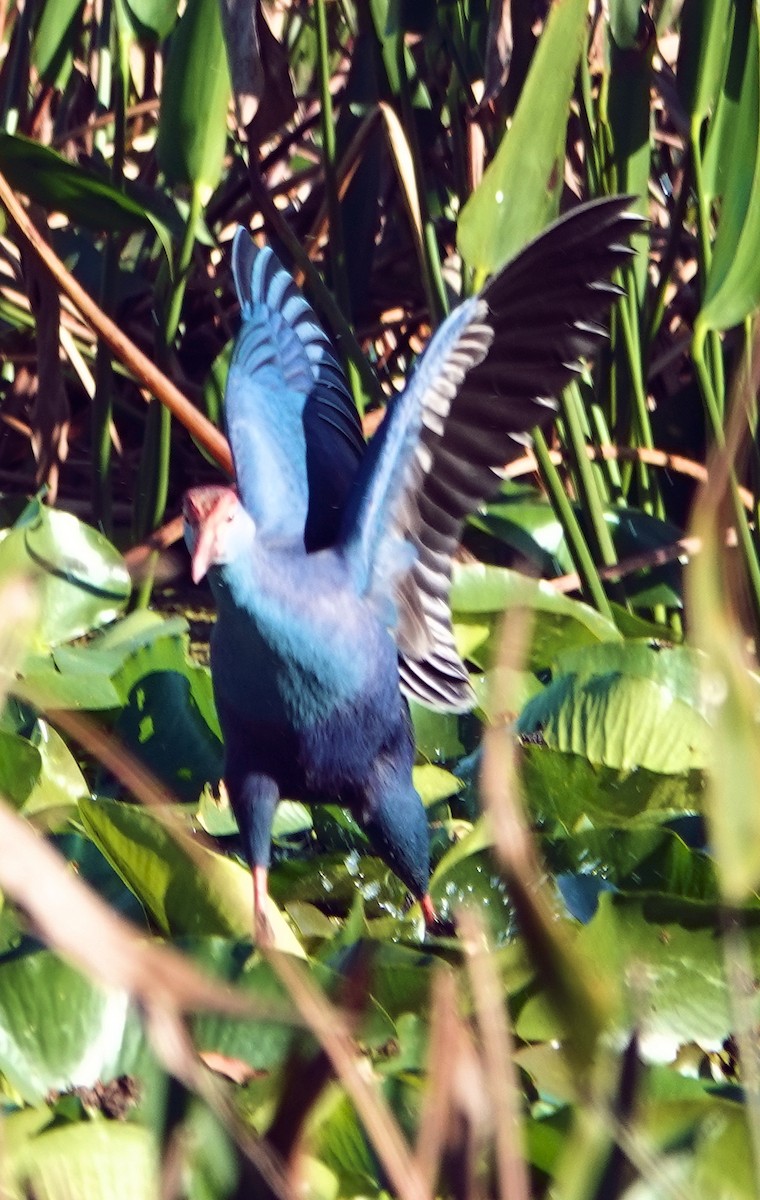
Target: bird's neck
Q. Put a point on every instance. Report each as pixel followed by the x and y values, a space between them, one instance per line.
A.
pixel 258 579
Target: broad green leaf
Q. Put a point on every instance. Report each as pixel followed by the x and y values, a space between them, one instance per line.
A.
pixel 43 685
pixel 473 881
pixel 265 1041
pixel 558 622
pixel 567 791
pixel 205 893
pixel 38 772
pixel 105 673
pixel 477 588
pixel 502 692
pixel 91 866
pixel 670 980
pixel 192 135
pixel 57 1029
pixel 163 726
pixel 437 735
pixel 343 1146
pixel 625 706
pixel 83 582
pixel 207 896
pixel 210 1162
pixel 434 784
pixel 98 1159
pixel 215 815
pixel 521 188
pixel 528 525
pixel 477 840
pixel 20 767
pixel 652 860
pixel 291 818
pixel 61 783
pixel 262 1043
pixel 332 881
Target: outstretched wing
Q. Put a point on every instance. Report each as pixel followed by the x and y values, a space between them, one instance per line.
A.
pixel 489 375
pixel 292 424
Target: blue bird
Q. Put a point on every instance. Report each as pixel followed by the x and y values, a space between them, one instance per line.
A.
pixel 331 563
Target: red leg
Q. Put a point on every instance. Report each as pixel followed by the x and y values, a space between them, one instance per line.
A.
pixel 428 911
pixel 262 930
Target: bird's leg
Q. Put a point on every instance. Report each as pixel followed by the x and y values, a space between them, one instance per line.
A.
pixel 262 930
pixel 254 798
pixel 396 824
pixel 428 911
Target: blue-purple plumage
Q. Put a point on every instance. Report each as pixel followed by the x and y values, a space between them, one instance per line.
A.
pixel 331 575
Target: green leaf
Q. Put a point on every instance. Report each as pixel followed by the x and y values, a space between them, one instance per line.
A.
pixel 732 290
pixel 203 893
pixel 726 132
pixel 565 792
pixel 559 622
pixel 84 196
pixel 207 896
pixel 20 767
pixel 624 22
pixel 152 18
pixel 652 860
pixel 98 1159
pixel 192 134
pixel 434 784
pixel 702 52
pixel 437 735
pixel 528 525
pixel 630 118
pixel 43 685
pixel 82 579
pixel 165 729
pixel 59 1030
pixel 626 706
pixel 61 783
pixel 52 47
pixel 520 191
pixel 670 980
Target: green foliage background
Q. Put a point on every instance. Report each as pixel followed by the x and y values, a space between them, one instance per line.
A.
pixel 591 1032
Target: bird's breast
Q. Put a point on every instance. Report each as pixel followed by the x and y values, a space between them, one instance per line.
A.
pixel 297 645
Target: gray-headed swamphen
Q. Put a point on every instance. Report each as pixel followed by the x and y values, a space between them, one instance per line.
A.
pixel 331 564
